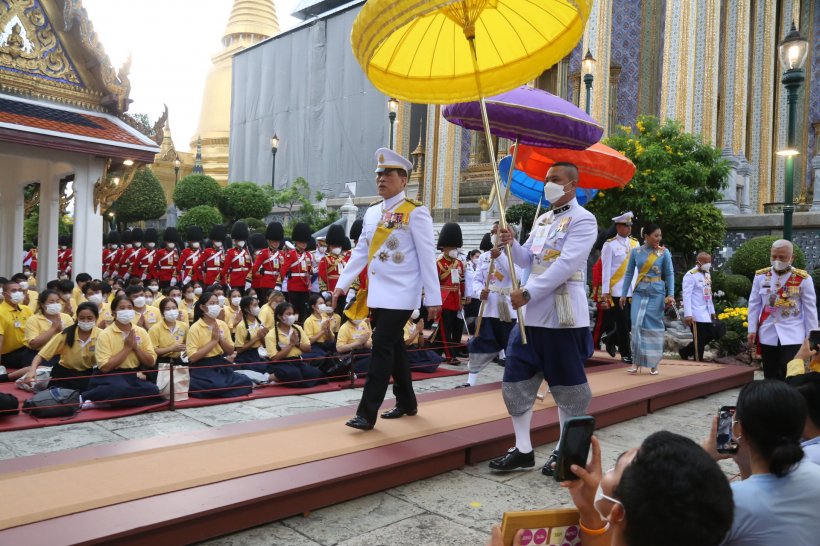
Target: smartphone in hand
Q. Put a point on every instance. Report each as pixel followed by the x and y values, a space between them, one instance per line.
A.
pixel 574 446
pixel 725 440
pixel 814 340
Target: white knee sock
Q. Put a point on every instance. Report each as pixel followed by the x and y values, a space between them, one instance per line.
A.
pixel 502 354
pixel 521 425
pixel 471 378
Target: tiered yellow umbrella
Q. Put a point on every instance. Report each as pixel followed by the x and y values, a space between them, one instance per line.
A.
pixel 440 52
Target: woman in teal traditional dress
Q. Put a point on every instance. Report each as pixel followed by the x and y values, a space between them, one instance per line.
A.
pixel 654 289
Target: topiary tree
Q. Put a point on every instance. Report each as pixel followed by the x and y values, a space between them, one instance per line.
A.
pixel 678 177
pixel 203 216
pixel 143 199
pixel 242 199
pixel 255 224
pixel 755 254
pixel 195 190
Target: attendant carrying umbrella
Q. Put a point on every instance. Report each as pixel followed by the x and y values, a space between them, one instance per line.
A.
pixel 599 167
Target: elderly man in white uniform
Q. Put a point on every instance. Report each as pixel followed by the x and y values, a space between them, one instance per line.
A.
pixel 698 307
pixel 397 246
pixel 782 310
pixel 555 313
pixel 614 258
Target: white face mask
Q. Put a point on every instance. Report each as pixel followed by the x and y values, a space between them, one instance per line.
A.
pixel 154 288
pixel 63 247
pixel 290 320
pixel 195 245
pixel 197 291
pixel 217 244
pixel 336 250
pixel 171 314
pixel 415 314
pixel 125 316
pixel 706 267
pixel 213 310
pixel 453 253
pixel 235 301
pixel 17 297
pixel 254 311
pixel 139 244
pixel 85 326
pixel 54 308
pixel 553 192
pixel 171 246
pixel 128 245
pixel 24 286
pixel 65 297
pixel 240 244
pixel 475 260
pixel 152 245
pixel 96 298
pixel 356 322
pixel 221 300
pixel 780 266
pixel 325 309
pixel 178 299
pixel 139 302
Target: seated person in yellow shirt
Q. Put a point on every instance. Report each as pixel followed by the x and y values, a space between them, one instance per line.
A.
pixel 233 314
pixel 275 297
pixel 46 323
pixel 189 297
pixel 321 326
pixel 123 347
pixel 208 343
pixel 420 359
pixel 249 338
pixel 152 293
pixel 31 295
pixel 168 335
pixel 355 340
pixel 175 293
pixel 74 348
pixel 78 293
pixel 94 292
pixel 13 318
pixel 287 345
pixel 66 289
pixel 145 316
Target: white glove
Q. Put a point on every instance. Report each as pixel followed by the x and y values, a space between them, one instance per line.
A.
pixel 144 276
pixel 186 280
pixel 351 294
pixel 278 287
pixel 126 276
pixel 173 281
pixel 247 285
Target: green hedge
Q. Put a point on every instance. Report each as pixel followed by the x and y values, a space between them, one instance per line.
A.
pixel 242 199
pixel 755 253
pixel 203 216
pixel 195 190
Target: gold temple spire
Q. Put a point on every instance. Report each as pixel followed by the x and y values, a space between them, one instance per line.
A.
pixel 251 17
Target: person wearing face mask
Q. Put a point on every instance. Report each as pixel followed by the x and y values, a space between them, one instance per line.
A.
pixel 322 325
pixel 122 350
pixel 419 358
pixel 166 260
pixel 141 265
pixel 355 338
pixel 470 267
pixel 13 318
pixel 209 265
pixel 66 288
pixel 614 258
pixel 360 282
pixel 447 337
pixel 287 345
pixel 189 256
pixel 331 265
pixel 249 338
pixel 111 255
pixel 231 311
pixel 123 266
pixel 319 251
pixel 298 268
pixel 145 316
pixel 207 345
pixel 94 293
pixel 71 353
pixel 47 322
pixel 267 266
pixel 236 270
pixel 782 310
pixel 64 256
pixel 189 297
pixel 175 293
pixel 275 297
pixel 698 307
pixel 168 335
pixel 131 261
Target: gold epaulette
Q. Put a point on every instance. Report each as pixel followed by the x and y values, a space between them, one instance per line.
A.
pixel 633 238
pixel 763 271
pixel 693 270
pixel 802 273
pixel 376 202
pixel 612 239
pixel 413 201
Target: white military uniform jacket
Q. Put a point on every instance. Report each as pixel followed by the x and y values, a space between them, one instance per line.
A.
pixel 792 316
pixel 557 251
pixel 614 254
pixel 470 270
pixel 500 284
pixel 314 274
pixel 402 266
pixel 697 296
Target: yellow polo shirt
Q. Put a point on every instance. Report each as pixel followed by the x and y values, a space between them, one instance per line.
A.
pixel 410 331
pixel 32 301
pixel 162 336
pixel 77 297
pixel 13 326
pixel 273 347
pixel 79 357
pixel 266 316
pixel 39 323
pixel 152 316
pixel 188 308
pixel 199 334
pixel 312 327
pixel 111 341
pixel 106 316
pixel 230 316
pixel 349 332
pixel 241 333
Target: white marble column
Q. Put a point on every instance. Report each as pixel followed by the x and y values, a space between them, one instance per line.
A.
pixel 88 222
pixel 729 205
pixel 11 208
pixel 48 228
pixel 744 171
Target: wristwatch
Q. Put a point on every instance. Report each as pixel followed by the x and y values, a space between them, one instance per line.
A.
pixel 526 294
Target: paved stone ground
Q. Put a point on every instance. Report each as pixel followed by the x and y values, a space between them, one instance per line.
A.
pixel 453 509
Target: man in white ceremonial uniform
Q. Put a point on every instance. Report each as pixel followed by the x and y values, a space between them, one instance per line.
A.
pixel 397 246
pixel 614 258
pixel 556 316
pixel 317 255
pixel 782 310
pixel 498 317
pixel 698 307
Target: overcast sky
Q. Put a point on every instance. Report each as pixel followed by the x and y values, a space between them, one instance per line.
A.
pixel 172 42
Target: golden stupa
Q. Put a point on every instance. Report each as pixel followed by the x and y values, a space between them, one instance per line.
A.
pixel 251 22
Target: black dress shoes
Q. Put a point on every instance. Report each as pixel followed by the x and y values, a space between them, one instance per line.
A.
pixel 360 423
pixel 549 466
pixel 513 460
pixel 397 412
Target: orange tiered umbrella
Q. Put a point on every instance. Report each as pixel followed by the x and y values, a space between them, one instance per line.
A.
pixel 599 166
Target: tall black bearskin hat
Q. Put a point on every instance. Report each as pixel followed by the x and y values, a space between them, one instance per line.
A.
pixel 258 241
pixel 275 232
pixel 64 240
pixel 136 235
pixel 193 233
pixel 239 231
pixel 311 245
pixel 227 242
pixel 113 237
pixel 356 230
pixel 127 237
pixel 170 235
pixel 346 244
pixel 486 243
pixel 301 233
pixel 217 233
pixel 335 235
pixel 151 235
pixel 450 236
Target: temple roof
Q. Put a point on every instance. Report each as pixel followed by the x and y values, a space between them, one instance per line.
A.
pixel 252 17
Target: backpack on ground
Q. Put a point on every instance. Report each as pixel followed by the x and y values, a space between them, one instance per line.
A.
pixel 9 404
pixel 53 402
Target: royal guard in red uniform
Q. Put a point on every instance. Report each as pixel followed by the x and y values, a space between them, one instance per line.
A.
pixel 209 265
pixel 451 279
pixel 127 255
pixel 166 260
pixel 267 267
pixel 30 259
pixel 332 263
pixel 236 271
pixel 64 256
pixel 190 256
pixel 114 253
pixel 361 282
pixel 136 249
pixel 298 268
pixel 141 266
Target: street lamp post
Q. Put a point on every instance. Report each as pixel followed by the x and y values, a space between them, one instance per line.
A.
pixel 588 66
pixel 112 226
pixel 177 163
pixel 793 50
pixel 274 145
pixel 392 107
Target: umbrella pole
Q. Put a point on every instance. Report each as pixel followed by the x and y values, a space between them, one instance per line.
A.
pixel 537 211
pixel 502 216
pixel 510 174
